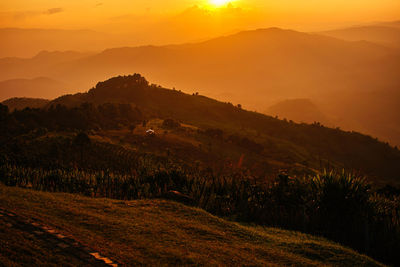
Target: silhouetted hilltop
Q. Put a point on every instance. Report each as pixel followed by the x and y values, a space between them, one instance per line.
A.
pixel 314 142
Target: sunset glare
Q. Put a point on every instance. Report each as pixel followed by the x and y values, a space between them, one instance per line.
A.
pixel 219 3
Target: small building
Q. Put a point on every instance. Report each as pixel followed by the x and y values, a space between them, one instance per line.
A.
pixel 150 132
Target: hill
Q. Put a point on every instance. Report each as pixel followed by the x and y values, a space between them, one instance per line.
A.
pixel 43 62
pixel 21 103
pixel 160 232
pixel 289 142
pixel 253 68
pixel 32 88
pixel 15 40
pixel 385 34
pixel 299 110
pixel 234 163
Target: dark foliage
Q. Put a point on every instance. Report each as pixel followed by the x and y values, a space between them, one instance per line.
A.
pixel 84 117
pixel 170 124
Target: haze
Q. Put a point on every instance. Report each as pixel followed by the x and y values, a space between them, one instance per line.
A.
pixel 339 60
pixel 128 16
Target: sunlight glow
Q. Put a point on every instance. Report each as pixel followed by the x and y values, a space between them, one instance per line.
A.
pixel 219 3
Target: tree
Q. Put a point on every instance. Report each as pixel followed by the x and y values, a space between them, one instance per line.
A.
pixel 3 113
pixel 170 124
pixel 82 141
pixel 132 127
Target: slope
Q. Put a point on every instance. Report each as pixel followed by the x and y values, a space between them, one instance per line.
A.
pixel 299 110
pixel 159 232
pixel 309 143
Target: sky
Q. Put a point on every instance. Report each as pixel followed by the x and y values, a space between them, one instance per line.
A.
pixel 124 16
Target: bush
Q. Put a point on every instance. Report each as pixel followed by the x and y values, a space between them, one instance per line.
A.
pixel 170 124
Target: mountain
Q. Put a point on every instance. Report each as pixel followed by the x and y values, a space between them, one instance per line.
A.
pixel 392 23
pixel 17 103
pixel 43 62
pixel 299 110
pixel 33 88
pixel 287 142
pixel 269 62
pixel 385 34
pixel 14 41
pixel 377 112
pixel 253 68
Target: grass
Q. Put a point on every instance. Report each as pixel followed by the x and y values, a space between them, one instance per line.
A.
pixel 160 232
pixel 18 249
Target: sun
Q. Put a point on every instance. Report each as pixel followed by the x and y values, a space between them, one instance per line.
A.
pixel 219 3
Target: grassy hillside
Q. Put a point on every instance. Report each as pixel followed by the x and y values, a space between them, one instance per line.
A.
pixel 160 232
pixel 280 140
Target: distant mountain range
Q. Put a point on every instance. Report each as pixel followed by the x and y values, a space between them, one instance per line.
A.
pixel 385 34
pixel 33 88
pixel 14 41
pixel 355 81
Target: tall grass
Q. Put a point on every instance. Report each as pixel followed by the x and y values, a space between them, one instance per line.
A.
pixel 337 205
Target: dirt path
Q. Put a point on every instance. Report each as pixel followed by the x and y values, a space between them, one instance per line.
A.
pixel 53 241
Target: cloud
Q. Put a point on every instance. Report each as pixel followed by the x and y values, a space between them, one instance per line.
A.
pixel 22 15
pixel 54 10
pixel 28 14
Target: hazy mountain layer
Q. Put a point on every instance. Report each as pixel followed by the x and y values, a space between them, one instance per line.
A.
pixel 254 68
pixel 299 110
pixel 33 88
pixel 386 34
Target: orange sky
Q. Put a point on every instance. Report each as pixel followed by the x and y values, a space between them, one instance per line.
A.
pixel 123 16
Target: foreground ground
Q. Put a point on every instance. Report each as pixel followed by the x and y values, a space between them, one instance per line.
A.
pixel 153 232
